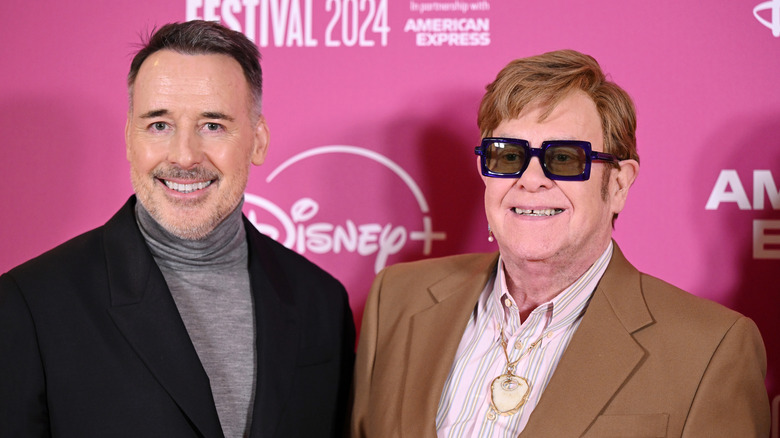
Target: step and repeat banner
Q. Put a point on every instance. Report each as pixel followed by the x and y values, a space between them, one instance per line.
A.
pixel 372 109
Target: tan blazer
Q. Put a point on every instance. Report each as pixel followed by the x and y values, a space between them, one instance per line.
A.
pixel 648 360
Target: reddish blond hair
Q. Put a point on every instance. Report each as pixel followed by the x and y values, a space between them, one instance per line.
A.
pixel 547 79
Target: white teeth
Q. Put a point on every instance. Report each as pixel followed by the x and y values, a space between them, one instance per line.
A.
pixel 186 188
pixel 545 212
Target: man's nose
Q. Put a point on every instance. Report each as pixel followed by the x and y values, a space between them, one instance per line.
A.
pixel 533 178
pixel 185 149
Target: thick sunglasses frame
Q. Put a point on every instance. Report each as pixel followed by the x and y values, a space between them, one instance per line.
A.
pixel 530 152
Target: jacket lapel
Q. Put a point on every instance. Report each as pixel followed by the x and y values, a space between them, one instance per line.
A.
pixel 144 311
pixel 277 334
pixel 435 334
pixel 601 356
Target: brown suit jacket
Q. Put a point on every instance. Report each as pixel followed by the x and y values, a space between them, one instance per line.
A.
pixel 648 360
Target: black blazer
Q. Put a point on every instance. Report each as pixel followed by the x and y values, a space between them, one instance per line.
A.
pixel 92 344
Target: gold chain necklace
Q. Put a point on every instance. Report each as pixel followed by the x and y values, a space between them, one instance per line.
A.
pixel 509 392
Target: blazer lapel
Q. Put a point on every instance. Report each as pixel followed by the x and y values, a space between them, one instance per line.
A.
pixel 600 357
pixel 144 311
pixel 435 334
pixel 277 334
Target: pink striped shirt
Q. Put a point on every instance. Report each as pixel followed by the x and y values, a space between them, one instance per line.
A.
pixel 465 400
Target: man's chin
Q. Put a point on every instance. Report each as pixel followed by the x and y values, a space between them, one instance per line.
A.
pixel 189 232
pixel 186 219
pixel 185 226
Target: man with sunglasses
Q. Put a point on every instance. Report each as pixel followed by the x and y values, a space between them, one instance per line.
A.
pixel 556 334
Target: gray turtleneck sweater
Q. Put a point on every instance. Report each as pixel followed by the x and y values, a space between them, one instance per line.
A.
pixel 209 281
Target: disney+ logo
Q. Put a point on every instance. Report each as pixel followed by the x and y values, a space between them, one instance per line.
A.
pixel 298 230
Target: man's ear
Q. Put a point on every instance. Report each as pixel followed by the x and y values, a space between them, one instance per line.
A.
pixel 626 175
pixel 260 143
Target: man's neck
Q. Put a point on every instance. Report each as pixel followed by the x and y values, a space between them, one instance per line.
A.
pixel 535 282
pixel 223 246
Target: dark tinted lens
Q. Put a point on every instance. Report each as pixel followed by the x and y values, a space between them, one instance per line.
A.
pixel 505 157
pixel 565 160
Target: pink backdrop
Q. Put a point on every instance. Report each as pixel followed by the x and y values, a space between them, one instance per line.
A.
pixel 372 107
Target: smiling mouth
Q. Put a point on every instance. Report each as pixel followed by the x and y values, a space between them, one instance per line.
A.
pixel 187 188
pixel 541 212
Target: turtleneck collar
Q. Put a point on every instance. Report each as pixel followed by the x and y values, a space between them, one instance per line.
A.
pixel 223 247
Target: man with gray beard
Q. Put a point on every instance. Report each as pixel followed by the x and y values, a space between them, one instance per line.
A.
pixel 177 318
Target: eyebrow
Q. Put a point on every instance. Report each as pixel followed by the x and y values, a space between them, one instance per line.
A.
pixel 555 137
pixel 155 113
pixel 216 115
pixel 206 115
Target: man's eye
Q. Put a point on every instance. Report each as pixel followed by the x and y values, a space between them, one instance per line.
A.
pixel 213 126
pixel 159 126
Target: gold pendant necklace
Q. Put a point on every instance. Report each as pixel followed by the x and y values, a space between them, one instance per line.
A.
pixel 509 392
